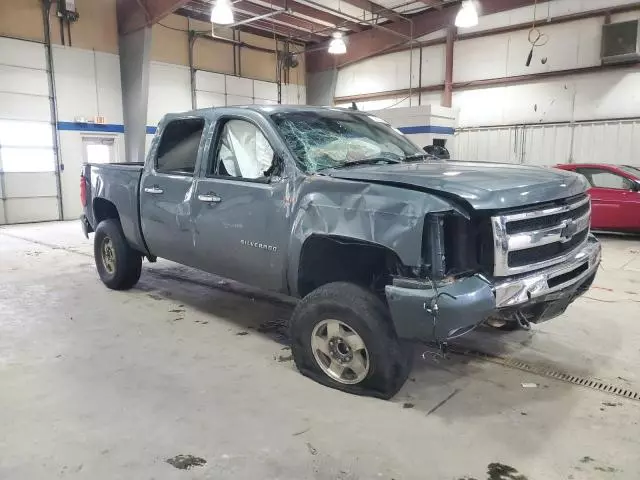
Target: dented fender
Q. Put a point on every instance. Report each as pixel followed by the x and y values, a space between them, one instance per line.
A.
pixel 387 216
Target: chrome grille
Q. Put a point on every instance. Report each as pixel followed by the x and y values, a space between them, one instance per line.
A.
pixel 531 240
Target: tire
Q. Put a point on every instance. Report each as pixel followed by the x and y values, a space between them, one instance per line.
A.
pixel 121 270
pixel 357 311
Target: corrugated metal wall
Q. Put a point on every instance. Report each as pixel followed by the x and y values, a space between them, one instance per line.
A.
pixel 586 142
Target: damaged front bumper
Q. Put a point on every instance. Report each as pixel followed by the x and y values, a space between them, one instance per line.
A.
pixel 428 312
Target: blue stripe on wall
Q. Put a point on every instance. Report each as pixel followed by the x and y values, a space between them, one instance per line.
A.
pixel 427 129
pixel 117 128
pixel 96 128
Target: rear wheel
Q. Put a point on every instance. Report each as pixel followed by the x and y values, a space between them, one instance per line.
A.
pixel 342 337
pixel 119 265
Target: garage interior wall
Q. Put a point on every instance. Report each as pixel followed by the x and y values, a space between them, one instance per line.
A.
pixel 590 117
pixel 87 84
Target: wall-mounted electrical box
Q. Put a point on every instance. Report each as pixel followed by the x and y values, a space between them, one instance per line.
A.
pixel 67 10
pixel 621 42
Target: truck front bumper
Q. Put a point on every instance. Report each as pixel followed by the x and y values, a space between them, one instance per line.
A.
pixel 429 314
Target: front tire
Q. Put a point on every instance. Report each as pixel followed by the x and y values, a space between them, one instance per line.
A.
pixel 342 337
pixel 119 265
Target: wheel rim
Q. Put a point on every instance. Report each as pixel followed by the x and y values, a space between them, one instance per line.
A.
pixel 340 351
pixel 108 255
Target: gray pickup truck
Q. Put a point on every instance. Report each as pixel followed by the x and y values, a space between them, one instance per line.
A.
pixel 381 242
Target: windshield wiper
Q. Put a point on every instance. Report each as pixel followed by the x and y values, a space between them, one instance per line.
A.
pixel 419 156
pixel 367 161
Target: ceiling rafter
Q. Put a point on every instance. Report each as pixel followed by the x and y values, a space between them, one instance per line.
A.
pixel 374 42
pixel 136 14
pixel 376 9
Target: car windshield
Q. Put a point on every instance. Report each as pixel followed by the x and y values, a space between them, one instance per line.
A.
pixel 339 139
pixel 630 170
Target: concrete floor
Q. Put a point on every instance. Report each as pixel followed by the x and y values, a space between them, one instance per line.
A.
pixel 99 384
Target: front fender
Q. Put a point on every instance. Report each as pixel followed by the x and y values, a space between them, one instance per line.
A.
pixel 387 216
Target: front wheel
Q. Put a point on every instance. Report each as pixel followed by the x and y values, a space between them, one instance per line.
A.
pixel 119 265
pixel 342 337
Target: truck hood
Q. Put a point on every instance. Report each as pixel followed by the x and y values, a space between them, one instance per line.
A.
pixel 485 186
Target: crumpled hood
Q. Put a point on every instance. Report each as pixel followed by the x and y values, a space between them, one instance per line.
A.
pixel 485 186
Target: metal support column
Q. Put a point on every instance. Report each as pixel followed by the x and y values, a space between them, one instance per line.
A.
pixel 448 73
pixel 134 75
pixel 46 8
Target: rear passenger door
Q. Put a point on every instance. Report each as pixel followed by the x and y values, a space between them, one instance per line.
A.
pixel 167 186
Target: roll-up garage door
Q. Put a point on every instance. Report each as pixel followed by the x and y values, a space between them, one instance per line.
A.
pixel 28 186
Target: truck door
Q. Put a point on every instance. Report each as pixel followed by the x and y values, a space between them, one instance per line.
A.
pixel 238 207
pixel 166 188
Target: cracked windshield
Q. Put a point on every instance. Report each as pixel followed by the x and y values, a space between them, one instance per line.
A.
pixel 337 139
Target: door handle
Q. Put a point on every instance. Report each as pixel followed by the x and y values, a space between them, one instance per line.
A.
pixel 210 198
pixel 156 190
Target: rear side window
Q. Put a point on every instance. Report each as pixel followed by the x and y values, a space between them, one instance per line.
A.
pixel 605 179
pixel 178 149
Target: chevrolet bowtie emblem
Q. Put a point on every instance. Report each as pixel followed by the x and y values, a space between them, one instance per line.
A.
pixel 570 228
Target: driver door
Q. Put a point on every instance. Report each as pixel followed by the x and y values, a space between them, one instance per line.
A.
pixel 238 209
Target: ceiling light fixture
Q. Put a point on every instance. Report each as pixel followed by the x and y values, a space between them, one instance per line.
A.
pixel 468 15
pixel 337 45
pixel 222 13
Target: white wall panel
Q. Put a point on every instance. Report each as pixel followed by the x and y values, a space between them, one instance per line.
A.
pixel 239 86
pixel 75 83
pixel 484 57
pixel 433 65
pixel 36 184
pixel 23 54
pixel 23 80
pixel 378 74
pixel 293 94
pixel 262 101
pixel 23 210
pixel 169 91
pixel 24 107
pixel 210 82
pixel 208 99
pixel 109 88
pixel 265 90
pixel 607 95
pixel 238 100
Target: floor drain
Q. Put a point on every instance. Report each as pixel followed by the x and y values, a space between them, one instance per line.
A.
pixel 549 372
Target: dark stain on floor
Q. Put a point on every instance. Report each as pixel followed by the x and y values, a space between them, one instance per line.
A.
pixel 186 462
pixel 606 469
pixel 500 471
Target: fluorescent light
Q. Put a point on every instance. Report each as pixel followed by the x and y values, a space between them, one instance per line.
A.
pixel 222 13
pixel 337 45
pixel 468 15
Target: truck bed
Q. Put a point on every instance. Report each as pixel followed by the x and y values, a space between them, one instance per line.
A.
pixel 116 184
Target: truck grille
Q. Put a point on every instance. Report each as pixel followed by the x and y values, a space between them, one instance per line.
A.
pixel 535 239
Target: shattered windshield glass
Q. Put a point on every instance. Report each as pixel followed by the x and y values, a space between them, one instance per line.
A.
pixel 334 139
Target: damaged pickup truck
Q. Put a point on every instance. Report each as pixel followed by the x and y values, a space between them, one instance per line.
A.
pixel 382 243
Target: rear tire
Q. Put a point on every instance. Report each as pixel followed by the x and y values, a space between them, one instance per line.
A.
pixel 119 265
pixel 342 336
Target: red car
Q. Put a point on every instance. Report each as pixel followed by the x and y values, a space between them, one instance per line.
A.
pixel 615 195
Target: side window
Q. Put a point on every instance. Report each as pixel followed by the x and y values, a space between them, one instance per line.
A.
pixel 243 152
pixel 604 179
pixel 178 149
